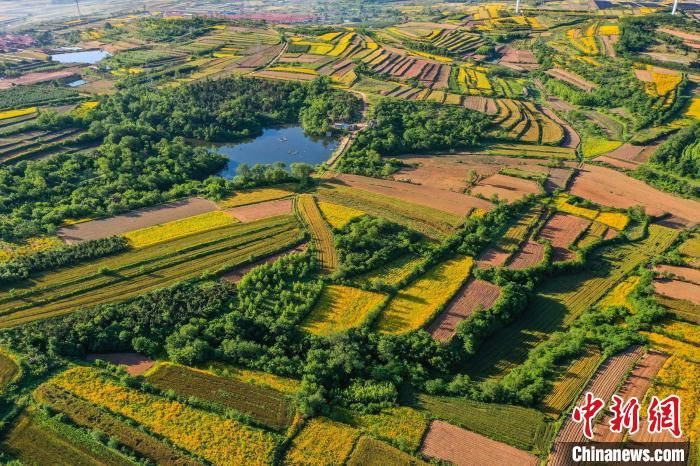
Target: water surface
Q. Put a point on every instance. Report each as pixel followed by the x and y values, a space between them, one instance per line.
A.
pixel 88 56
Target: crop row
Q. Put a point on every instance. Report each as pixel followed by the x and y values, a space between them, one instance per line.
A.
pixel 320 232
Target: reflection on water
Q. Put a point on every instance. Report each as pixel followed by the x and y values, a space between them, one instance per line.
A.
pixel 287 145
pixel 89 56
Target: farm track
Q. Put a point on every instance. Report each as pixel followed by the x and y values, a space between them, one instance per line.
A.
pixel 320 232
pixel 145 270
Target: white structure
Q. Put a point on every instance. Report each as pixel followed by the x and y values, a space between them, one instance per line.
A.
pixel 517 6
pixel 675 7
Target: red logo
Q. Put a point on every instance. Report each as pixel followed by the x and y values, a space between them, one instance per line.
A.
pixel 665 415
pixel 625 415
pixel 587 412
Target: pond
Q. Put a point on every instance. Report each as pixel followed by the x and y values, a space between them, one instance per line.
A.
pixel 288 145
pixel 88 56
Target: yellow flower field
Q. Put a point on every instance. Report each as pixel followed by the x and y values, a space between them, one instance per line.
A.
pixel 691 246
pixel 615 220
pixel 38 243
pixel 17 113
pixel 338 216
pixel 694 108
pixel 218 440
pixel 618 296
pixel 330 36
pixel 609 30
pixel 563 205
pixel 322 442
pixel 593 146
pixel 255 196
pixel 416 304
pixel 264 379
pixel 178 228
pixel 342 45
pixel 294 69
pixel 402 426
pixel 340 308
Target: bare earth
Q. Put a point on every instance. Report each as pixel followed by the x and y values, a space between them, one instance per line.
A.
pixel 678 289
pixel 686 274
pixel 135 220
pixel 505 187
pixel 492 257
pixel 474 294
pixel 250 213
pixel 571 78
pixel 464 448
pixel 530 254
pixel 425 195
pixel 562 230
pixel 611 188
pixel 136 364
pixel 33 78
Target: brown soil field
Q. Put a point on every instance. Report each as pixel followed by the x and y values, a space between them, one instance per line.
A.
pixel 505 187
pixel 236 275
pixel 429 196
pixel 135 220
pixel 303 58
pixel 571 137
pixel 450 171
pixel 627 152
pixel 33 78
pixel 617 163
pixel 687 36
pixel 571 78
pixel 677 289
pixel 531 253
pixel 609 187
pixel 136 364
pixel 262 58
pixel 603 384
pixel 686 274
pixel 284 75
pixel 513 55
pixel 249 213
pixel 492 257
pixel 636 385
pixel 464 448
pixel 473 295
pixel 558 179
pixel 609 43
pixel 562 230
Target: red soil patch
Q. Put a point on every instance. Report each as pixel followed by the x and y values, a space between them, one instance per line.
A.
pixel 603 384
pixel 512 55
pixel 561 230
pixel 473 295
pixel 492 257
pixel 464 448
pixel 617 163
pixel 136 364
pixel 135 220
pixel 447 201
pixel 611 188
pixel 506 187
pixel 236 275
pixel 558 179
pixel 682 273
pixel 636 386
pixel 571 78
pixel 250 213
pixel 530 254
pixel 33 78
pixel 284 75
pixel 678 289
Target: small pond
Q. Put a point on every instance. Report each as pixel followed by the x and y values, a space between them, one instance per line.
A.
pixel 288 145
pixel 88 56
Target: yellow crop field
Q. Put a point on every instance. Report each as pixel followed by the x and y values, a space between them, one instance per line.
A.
pixel 294 69
pixel 691 246
pixel 255 196
pixel 615 220
pixel 178 228
pixel 340 308
pixel 418 303
pixel 432 56
pixel 338 216
pixel 563 205
pixel 609 30
pixel 593 146
pixel 264 379
pixel 17 113
pixel 694 108
pixel 342 45
pixel 393 272
pixel 214 438
pixel 322 442
pixel 321 234
pixel 330 36
pixel 583 43
pixel 10 251
pixel 618 295
pixel 85 108
pixel 402 426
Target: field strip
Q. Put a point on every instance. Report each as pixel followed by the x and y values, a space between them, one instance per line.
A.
pixel 252 212
pixel 320 232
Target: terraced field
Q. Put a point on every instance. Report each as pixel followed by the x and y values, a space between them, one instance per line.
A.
pixel 321 233
pixel 135 272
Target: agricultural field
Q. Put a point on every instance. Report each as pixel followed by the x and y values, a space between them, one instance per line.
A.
pixel 282 232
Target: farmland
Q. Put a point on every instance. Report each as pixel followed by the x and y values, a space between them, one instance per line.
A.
pixel 344 233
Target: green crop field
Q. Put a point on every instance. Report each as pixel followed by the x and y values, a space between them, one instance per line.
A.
pixel 371 452
pixel 262 404
pixel 520 427
pixel 570 383
pixel 8 370
pixel 562 299
pixel 136 272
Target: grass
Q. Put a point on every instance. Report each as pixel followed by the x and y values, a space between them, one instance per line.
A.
pixel 415 305
pixel 392 273
pixel 570 384
pixel 691 246
pixel 255 196
pixel 178 228
pixel 214 438
pixel 562 299
pixel 135 272
pixel 340 308
pixel 9 370
pixel 337 215
pixel 402 426
pixel 263 379
pixel 681 309
pixel 321 442
pixel 84 414
pixel 370 452
pixel 523 428
pixel 264 405
pixel 321 234
pixel 431 222
pixel 37 439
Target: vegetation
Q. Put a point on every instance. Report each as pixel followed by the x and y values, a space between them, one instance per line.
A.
pixel 178 228
pixel 322 441
pixel 321 233
pixel 340 308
